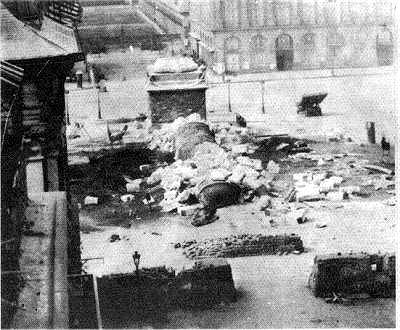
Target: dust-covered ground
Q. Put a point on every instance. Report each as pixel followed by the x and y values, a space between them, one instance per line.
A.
pixel 272 290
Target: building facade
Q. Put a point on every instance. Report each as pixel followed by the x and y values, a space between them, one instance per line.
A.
pixel 269 35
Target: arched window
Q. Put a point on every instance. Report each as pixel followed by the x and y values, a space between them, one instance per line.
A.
pixel 257 52
pixel 284 42
pixel 384 47
pixel 232 54
pixel 284 52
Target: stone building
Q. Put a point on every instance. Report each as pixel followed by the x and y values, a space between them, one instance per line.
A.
pixel 267 35
pixel 39 48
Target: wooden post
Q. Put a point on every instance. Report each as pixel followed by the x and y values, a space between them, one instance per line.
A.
pixel 96 298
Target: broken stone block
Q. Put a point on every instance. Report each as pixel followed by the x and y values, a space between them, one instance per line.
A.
pixel 319 177
pixel 90 200
pixel 134 186
pixel 298 216
pixel 114 238
pixel 351 190
pixel 252 182
pixel 391 201
pixel 237 176
pixel 273 167
pixel 249 162
pixel 169 206
pixel 171 182
pixel 337 180
pixel 155 177
pixel 336 196
pixel 263 203
pixel 220 174
pixel 127 198
pixel 184 196
pixel 240 149
pixel 186 173
pixel 326 186
pixel 300 177
pixel 309 192
pixel 187 210
pixel 282 146
pixel 170 195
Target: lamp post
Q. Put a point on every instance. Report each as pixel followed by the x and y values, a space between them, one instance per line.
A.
pixel 98 104
pixel 136 260
pixel 66 107
pixel 228 80
pixel 262 96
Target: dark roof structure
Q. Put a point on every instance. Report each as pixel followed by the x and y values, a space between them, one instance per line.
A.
pixel 54 36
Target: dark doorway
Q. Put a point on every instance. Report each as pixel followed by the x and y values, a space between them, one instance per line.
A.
pixel 284 52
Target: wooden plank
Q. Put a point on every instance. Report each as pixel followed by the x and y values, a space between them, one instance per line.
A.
pixel 378 169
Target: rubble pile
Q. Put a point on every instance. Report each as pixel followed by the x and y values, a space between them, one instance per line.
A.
pixel 183 180
pixel 163 139
pixel 330 183
pixel 242 245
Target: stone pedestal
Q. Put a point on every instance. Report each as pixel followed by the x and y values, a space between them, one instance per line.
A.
pixel 170 102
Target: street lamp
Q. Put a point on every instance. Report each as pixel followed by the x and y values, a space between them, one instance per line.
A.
pixel 229 94
pixel 98 104
pixel 262 96
pixel 136 260
pixel 66 107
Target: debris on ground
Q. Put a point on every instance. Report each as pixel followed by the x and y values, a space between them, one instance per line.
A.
pixel 391 201
pixel 204 216
pixel 114 238
pixel 298 216
pixel 127 198
pixel 91 200
pixel 134 186
pixel 242 245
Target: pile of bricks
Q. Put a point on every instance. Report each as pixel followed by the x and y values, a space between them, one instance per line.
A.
pixel 242 245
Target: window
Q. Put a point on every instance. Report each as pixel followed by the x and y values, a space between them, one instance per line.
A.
pixel 384 46
pixel 257 51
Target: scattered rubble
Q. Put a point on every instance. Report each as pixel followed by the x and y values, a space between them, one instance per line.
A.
pixel 91 200
pixel 127 198
pixel 114 238
pixel 134 185
pixel 242 245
